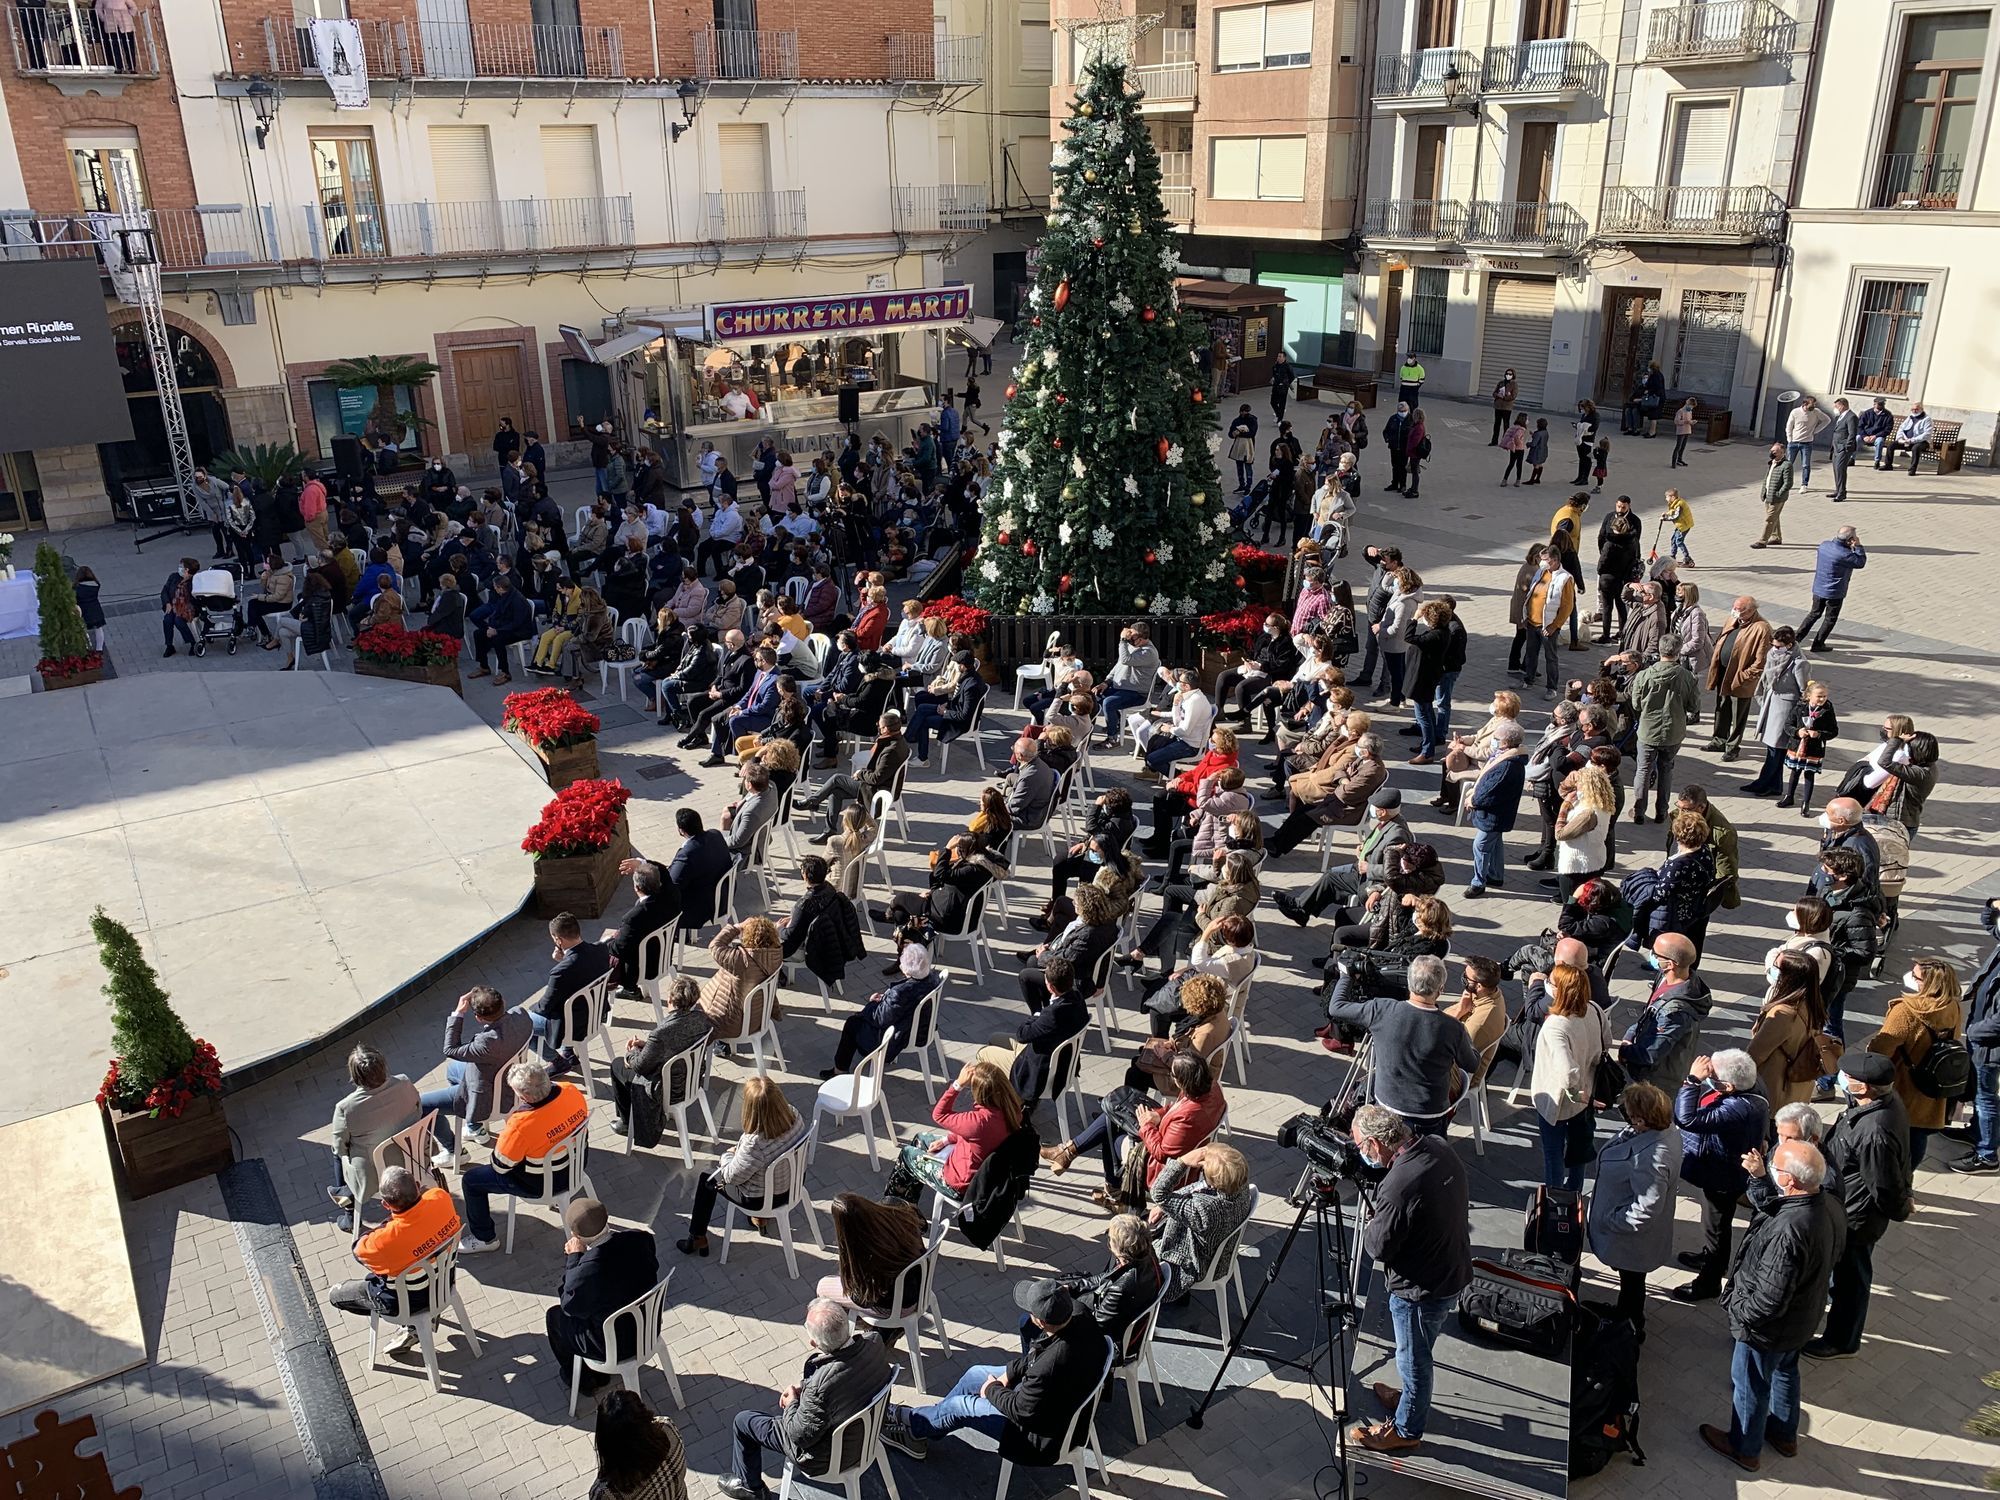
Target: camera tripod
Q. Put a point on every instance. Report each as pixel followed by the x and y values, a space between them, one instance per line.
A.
pixel 1318 1197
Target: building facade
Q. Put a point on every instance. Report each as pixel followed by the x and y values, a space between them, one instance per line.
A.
pixel 518 168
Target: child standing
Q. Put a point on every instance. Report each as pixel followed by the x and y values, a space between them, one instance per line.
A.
pixel 1601 461
pixel 1683 430
pixel 1514 443
pixel 1538 449
pixel 1813 724
pixel 1681 516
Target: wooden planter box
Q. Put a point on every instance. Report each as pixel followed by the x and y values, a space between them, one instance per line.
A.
pixel 443 675
pixel 1269 591
pixel 568 764
pixel 157 1154
pixel 1212 664
pixel 585 883
pixel 75 679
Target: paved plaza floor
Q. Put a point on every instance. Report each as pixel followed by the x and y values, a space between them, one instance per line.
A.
pixel 208 1414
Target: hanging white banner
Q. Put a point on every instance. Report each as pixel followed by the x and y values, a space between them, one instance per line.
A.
pixel 342 63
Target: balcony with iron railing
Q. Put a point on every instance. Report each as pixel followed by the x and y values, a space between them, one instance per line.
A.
pixel 1540 72
pixel 1434 78
pixel 489 49
pixel 284 48
pixel 1169 84
pixel 945 209
pixel 1524 225
pixel 1714 215
pixel 1414 221
pixel 1919 180
pixel 738 218
pixel 1717 31
pixel 726 54
pixel 185 239
pixel 64 38
pixel 365 230
pixel 926 57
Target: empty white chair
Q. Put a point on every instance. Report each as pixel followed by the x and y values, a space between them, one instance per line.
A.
pixel 783 822
pixel 633 632
pixel 560 1176
pixel 858 1092
pixel 1080 1448
pixel 756 1033
pixel 691 1065
pixel 587 1018
pixel 1135 1348
pixel 972 932
pixel 914 1303
pixel 1223 1271
pixel 853 1448
pixel 784 1189
pixel 880 806
pixel 641 1321
pixel 437 1280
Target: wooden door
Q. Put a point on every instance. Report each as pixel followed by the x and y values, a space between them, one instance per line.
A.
pixel 1631 328
pixel 1437 22
pixel 1535 174
pixel 1544 20
pixel 489 388
pixel 1392 323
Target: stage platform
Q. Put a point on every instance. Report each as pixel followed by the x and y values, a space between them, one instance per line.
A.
pixel 292 849
pixel 66 1294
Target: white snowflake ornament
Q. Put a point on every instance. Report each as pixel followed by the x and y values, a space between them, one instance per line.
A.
pixel 1170 257
pixel 1050 359
pixel 1174 456
pixel 1166 552
pixel 1188 606
pixel 1041 604
pixel 1065 533
pixel 1122 305
pixel 1132 489
pixel 1212 572
pixel 1102 537
pixel 989 570
pixel 1076 466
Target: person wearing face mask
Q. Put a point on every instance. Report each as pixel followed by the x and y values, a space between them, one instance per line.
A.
pixel 1869 1146
pixel 439 486
pixel 1421 1234
pixel 1928 1011
pixel 1663 1041
pixel 1734 672
pixel 1841 828
pixel 1783 1037
pixel 1394 433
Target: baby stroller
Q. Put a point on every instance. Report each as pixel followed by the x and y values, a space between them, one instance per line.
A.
pixel 215 608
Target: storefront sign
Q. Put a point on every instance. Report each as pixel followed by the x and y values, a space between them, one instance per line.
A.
pixel 865 312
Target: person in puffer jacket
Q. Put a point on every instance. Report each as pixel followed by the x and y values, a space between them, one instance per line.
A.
pixel 1722 1113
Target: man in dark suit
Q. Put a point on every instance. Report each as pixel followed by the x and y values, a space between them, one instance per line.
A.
pixel 757 707
pixel 731 682
pixel 1060 1016
pixel 702 859
pixel 658 903
pixel 577 965
pixel 604 1269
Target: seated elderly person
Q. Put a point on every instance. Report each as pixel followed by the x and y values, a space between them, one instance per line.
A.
pixel 1199 1199
pixel 1130 1126
pixel 1119 1295
pixel 1199 1023
pixel 843 1375
pixel 656 902
pixel 1465 758
pixel 1333 795
pixel 1029 783
pixel 684 1027
pixel 422 1221
pixel 604 1269
pixel 1067 676
pixel 544 1118
pixel 378 1107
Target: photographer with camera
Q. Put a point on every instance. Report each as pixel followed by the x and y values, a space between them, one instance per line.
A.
pixel 1421 1233
pixel 1416 1046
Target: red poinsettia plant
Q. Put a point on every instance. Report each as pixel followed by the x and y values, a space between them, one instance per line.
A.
pixel 156 1067
pixel 1257 562
pixel 1231 629
pixel 70 666
pixel 171 1096
pixel 548 718
pixel 582 819
pixel 961 616
pixel 394 646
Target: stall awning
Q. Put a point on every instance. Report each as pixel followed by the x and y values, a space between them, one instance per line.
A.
pixel 629 342
pixel 1204 294
pixel 979 332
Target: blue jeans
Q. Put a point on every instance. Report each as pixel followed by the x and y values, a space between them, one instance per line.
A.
pixel 1677 546
pixel 1418 1325
pixel 755 1432
pixel 1555 1146
pixel 1115 702
pixel 447 1101
pixel 1427 721
pixel 1986 1110
pixel 1800 455
pixel 1489 857
pixel 1441 701
pixel 926 719
pixel 1163 755
pixel 1538 647
pixel 1764 1398
pixel 963 1407
pixel 479 1186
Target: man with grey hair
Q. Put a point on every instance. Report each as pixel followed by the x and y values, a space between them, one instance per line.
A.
pixel 1416 1047
pixel 1723 1114
pixel 1777 1288
pixel 380 1105
pixel 1496 802
pixel 1030 785
pixel 422 1222
pixel 1421 1232
pixel 1869 1146
pixel 545 1116
pixel 1838 559
pixel 1647 624
pixel 844 1373
pixel 1663 696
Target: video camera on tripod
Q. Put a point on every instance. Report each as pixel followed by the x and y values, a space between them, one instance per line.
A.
pixel 1330 1152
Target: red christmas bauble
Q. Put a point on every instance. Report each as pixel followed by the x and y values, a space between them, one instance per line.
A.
pixel 1239 580
pixel 1013 390
pixel 1196 396
pixel 1038 320
pixel 1004 537
pixel 1098 242
pixel 1062 584
pixel 1147 314
pixel 1162 447
pixel 1152 556
pixel 1055 442
pixel 1062 294
pixel 1061 398
pixel 1028 548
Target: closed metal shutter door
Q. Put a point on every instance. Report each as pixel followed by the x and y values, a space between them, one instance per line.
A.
pixel 1517 334
pixel 746 165
pixel 1711 330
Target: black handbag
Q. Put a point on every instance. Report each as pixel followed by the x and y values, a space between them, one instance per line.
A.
pixel 1521 1299
pixel 903 1186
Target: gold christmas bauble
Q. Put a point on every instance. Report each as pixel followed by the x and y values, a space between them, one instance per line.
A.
pixel 1069 492
pixel 1199 497
pixel 1086 109
pixel 1138 225
pixel 1090 174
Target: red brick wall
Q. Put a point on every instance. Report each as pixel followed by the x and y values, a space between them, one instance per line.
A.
pixel 243 23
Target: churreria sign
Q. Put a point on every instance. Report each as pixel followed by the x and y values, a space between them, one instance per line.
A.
pixel 867 312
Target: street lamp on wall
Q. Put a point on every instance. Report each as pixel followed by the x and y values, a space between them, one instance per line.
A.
pixel 1460 92
pixel 265 99
pixel 689 93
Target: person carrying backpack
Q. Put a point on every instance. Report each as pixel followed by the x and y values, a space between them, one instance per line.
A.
pixel 1869 1146
pixel 1923 1035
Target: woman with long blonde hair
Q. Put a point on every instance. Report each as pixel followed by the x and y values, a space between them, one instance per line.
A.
pixel 1583 827
pixel 771 1128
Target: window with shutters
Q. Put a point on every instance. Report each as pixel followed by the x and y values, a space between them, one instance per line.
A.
pixel 1937 98
pixel 569 161
pixel 1350 31
pixel 1252 37
pixel 1711 327
pixel 744 157
pixel 462 164
pixel 1698 143
pixel 1884 349
pixel 1271 168
pixel 1038 54
pixel 1427 310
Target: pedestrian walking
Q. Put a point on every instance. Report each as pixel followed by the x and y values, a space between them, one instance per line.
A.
pixel 1514 443
pixel 1683 430
pixel 1282 377
pixel 1776 489
pixel 1586 439
pixel 1838 560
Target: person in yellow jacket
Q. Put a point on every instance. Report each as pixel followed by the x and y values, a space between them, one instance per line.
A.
pixel 422 1222
pixel 1681 516
pixel 1550 602
pixel 1572 511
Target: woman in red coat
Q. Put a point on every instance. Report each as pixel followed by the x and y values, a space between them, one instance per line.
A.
pixel 1130 1119
pixel 873 621
pixel 1175 800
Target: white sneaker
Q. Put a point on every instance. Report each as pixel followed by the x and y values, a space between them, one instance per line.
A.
pixel 441 1159
pixel 405 1340
pixel 468 1245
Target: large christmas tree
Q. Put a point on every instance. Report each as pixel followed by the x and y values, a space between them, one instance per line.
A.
pixel 1106 499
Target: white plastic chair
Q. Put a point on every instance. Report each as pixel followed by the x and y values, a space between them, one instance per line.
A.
pixel 783 821
pixel 972 734
pixel 587 1018
pixel 858 1092
pixel 657 951
pixel 1135 1348
pixel 1239 1026
pixel 437 1278
pixel 778 1204
pixel 1099 993
pixel 926 1038
pixel 972 933
pixel 695 1063
pixel 796 589
pixel 633 633
pixel 492 1122
pixel 565 1164
pixel 1080 1448
pixel 755 1037
pixel 945 1206
pixel 643 1318
pixel 1066 1064
pixel 299 654
pixel 1030 671
pixel 1224 1271
pixel 1474 1100
pixel 914 1300
pixel 863 1433
pixel 409 1147
pixel 880 806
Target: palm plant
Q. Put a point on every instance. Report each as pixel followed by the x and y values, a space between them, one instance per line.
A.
pixel 270 464
pixel 383 374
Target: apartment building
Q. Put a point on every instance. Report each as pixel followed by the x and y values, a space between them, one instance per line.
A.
pixel 1893 276
pixel 1576 189
pixel 476 182
pixel 1256 111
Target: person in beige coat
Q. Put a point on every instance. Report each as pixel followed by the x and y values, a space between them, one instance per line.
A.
pixel 746 954
pixel 1781 1038
pixel 1734 672
pixel 1930 1008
